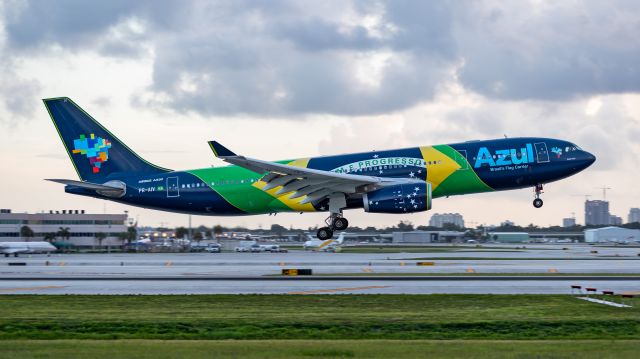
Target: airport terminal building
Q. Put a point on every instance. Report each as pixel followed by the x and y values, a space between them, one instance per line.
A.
pixel 81 227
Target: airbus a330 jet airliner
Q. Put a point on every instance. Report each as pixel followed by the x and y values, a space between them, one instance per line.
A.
pixel 391 181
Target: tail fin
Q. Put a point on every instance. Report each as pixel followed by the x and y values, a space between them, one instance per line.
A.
pixel 95 152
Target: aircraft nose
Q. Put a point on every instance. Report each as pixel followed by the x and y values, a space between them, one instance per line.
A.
pixel 590 158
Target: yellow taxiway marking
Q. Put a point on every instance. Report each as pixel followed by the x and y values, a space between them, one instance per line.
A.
pixel 4 290
pixel 340 289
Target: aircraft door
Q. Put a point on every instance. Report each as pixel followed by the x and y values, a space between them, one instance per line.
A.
pixel 542 155
pixel 173 190
pixel 461 159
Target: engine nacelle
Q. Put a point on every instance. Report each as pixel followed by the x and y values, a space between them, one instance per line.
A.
pixel 403 198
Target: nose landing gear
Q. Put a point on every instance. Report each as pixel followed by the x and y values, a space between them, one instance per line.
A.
pixel 537 203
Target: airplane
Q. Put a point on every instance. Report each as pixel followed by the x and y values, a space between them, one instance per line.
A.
pixel 15 248
pixel 327 245
pixel 397 181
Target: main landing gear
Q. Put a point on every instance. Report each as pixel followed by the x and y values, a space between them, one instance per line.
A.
pixel 335 222
pixel 538 202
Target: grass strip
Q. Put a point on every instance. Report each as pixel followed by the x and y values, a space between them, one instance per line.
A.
pixel 304 349
pixel 438 316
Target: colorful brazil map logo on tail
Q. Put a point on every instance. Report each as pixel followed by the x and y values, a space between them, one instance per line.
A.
pixel 95 148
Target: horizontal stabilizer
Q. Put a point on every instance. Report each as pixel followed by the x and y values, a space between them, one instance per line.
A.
pixel 219 150
pixel 114 189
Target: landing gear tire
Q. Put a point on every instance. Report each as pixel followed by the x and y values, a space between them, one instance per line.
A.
pixel 324 233
pixel 537 203
pixel 340 223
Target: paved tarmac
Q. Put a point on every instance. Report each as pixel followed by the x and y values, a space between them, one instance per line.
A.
pixel 387 286
pixel 104 273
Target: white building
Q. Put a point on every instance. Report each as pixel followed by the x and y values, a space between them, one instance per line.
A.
pixel 440 219
pixel 82 227
pixel 611 234
pixel 634 215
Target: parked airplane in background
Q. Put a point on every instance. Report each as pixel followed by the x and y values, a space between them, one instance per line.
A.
pixel 15 248
pixel 327 245
pixel 391 181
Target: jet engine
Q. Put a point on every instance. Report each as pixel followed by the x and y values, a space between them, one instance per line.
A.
pixel 403 198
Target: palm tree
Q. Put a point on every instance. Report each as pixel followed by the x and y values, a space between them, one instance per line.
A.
pixel 100 236
pixel 64 233
pixel 217 230
pixel 132 233
pixel 49 237
pixel 122 236
pixel 197 237
pixel 181 232
pixel 26 232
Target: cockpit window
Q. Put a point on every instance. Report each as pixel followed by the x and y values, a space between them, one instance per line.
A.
pixel 571 148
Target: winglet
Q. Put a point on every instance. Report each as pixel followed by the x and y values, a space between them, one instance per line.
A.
pixel 219 150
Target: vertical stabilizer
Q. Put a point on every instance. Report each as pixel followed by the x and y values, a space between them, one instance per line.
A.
pixel 96 153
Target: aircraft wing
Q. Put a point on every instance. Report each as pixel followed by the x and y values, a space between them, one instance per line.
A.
pixel 301 181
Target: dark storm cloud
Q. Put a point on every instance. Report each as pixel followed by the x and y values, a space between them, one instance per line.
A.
pixel 558 52
pixel 67 23
pixel 79 24
pixel 297 57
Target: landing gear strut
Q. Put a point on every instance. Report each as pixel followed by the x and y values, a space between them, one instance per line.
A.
pixel 538 202
pixel 335 221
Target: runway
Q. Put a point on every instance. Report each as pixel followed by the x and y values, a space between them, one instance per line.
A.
pixel 463 270
pixel 371 286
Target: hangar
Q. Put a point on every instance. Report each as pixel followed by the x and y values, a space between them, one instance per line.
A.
pixel 611 234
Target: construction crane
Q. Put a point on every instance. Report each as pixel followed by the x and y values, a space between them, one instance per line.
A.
pixel 604 192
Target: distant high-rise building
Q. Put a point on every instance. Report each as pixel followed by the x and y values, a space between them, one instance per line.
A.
pixel 615 220
pixel 596 213
pixel 634 215
pixel 440 219
pixel 568 222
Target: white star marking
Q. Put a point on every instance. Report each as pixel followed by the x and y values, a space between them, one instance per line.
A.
pixel 412 174
pixel 381 171
pixel 375 156
pixel 416 189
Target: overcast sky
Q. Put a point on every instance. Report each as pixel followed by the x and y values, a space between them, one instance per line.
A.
pixel 285 79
